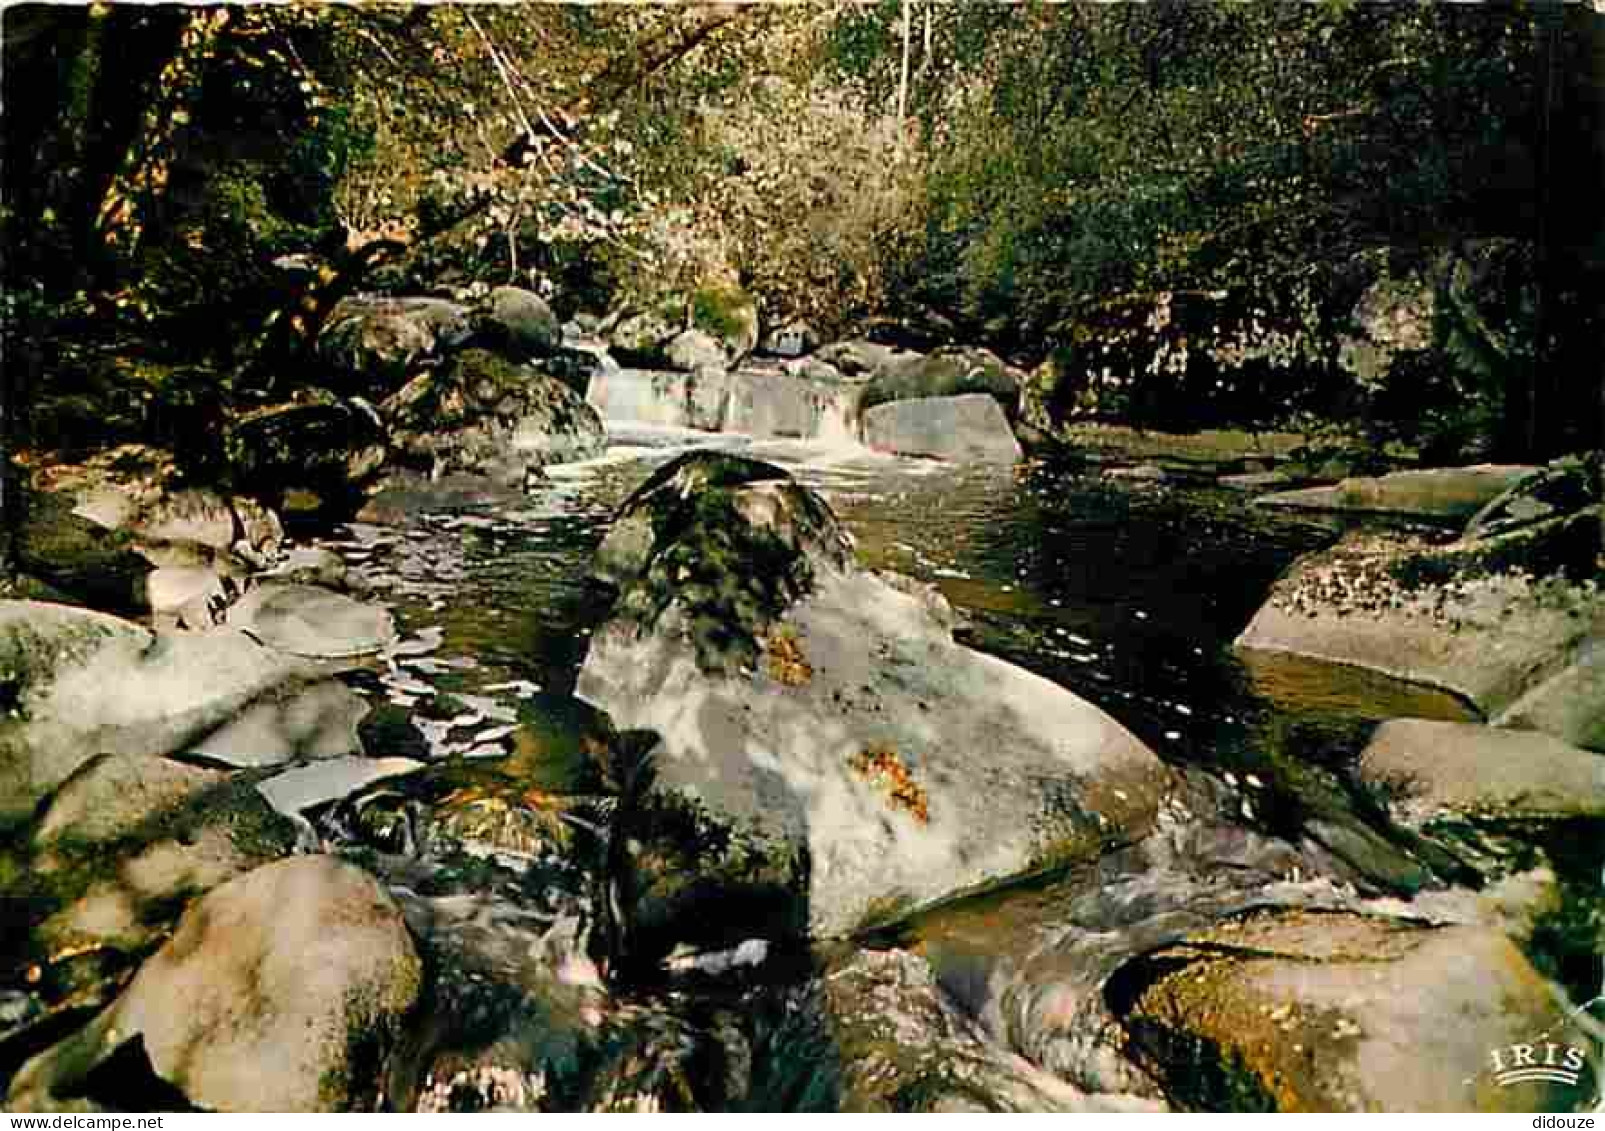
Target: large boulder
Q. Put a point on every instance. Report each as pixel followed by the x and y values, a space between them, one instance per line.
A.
pixel 127 841
pixel 138 489
pixel 949 372
pixel 824 714
pixel 485 414
pixel 312 460
pixel 522 322
pixel 1450 493
pixel 283 990
pixel 857 357
pixel 318 720
pixel 1299 1011
pixel 693 351
pixel 640 338
pixel 79 558
pixel 969 428
pixel 1486 794
pixel 312 622
pixel 98 879
pixel 683 400
pixel 77 683
pixel 728 315
pixel 378 341
pixel 1497 619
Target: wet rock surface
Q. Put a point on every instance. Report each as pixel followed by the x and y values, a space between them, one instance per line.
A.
pixel 283 990
pixel 830 717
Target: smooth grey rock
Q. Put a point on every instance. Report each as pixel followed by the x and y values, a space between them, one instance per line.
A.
pixel 85 683
pixel 1489 795
pixel 282 990
pixel 831 714
pixel 319 720
pixel 295 791
pixel 969 428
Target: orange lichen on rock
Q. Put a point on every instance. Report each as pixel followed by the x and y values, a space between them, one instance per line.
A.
pixel 787 664
pixel 881 764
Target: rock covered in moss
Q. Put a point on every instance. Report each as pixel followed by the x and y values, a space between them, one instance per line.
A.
pixel 828 718
pixel 377 341
pixel 1300 1011
pixel 1452 493
pixel 949 372
pixel 125 843
pixel 485 414
pixel 80 558
pixel 522 322
pixel 283 990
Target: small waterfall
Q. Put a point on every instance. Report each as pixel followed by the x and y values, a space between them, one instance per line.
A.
pixel 763 403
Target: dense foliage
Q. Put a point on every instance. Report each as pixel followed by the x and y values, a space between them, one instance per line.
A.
pixel 1179 204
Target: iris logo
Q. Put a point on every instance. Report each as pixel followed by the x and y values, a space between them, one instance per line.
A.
pixel 1545 1061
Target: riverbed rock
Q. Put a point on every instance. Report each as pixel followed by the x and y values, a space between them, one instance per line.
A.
pixel 377 340
pixel 949 372
pixel 693 351
pixel 640 338
pixel 282 990
pixel 187 597
pixel 857 357
pixel 1448 493
pixel 487 415
pixel 312 460
pixel 792 339
pixel 128 840
pixel 80 558
pixel 317 720
pixel 829 717
pixel 767 404
pixel 312 622
pixel 522 322
pixel 77 683
pixel 1487 794
pixel 1493 619
pixel 1299 1011
pixel 967 429
pixel 97 881
pixel 138 489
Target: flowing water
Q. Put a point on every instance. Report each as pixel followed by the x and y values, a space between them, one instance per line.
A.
pixel 1127 593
